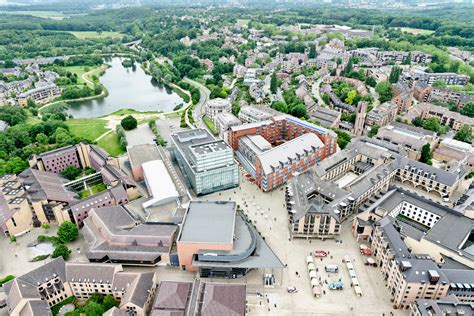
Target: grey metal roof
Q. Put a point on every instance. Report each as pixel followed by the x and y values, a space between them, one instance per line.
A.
pixel 140 154
pixel 209 222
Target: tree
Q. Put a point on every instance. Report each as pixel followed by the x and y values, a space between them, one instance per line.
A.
pixel 468 109
pixel 351 96
pixel 67 232
pixel 42 139
pixel 464 134
pixel 343 138
pixel 407 60
pixel 426 154
pixel 440 84
pixel 394 74
pixel 417 121
pixel 61 250
pixel 71 172
pixel 384 90
pixel 312 52
pixel 273 83
pixel 45 226
pixel 432 124
pixel 374 130
pixel 109 302
pixel 280 106
pixel 129 123
pixel 299 110
pixel 326 98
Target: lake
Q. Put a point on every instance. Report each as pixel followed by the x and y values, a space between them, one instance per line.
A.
pixel 129 88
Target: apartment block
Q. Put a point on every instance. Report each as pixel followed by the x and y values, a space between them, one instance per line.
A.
pixel 292 149
pixel 383 115
pixel 446 117
pixel 40 95
pixel 216 106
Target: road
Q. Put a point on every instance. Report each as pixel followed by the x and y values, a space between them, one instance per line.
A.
pixel 199 109
pixel 315 91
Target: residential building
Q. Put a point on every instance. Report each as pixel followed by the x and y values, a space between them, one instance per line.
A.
pixel 293 150
pixel 114 235
pixel 382 115
pixel 446 117
pixel 218 241
pixel 224 121
pixel 446 96
pixel 215 299
pixel 253 114
pixel 207 164
pixel 35 292
pixel 420 75
pixel 216 106
pixel 40 95
pixel 422 91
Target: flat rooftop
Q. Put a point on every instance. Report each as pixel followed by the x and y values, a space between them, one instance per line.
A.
pixel 140 154
pixel 207 148
pixel 209 222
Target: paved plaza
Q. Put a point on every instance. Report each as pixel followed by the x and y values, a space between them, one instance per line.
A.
pixel 269 214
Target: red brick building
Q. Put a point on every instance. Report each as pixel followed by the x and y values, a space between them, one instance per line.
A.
pixel 290 153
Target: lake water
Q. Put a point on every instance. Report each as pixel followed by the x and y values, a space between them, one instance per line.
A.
pixel 129 88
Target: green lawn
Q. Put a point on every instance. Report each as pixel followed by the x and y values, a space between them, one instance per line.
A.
pixel 55 309
pixel 92 35
pixel 93 190
pixel 210 124
pixel 79 71
pixel 110 143
pixel 123 112
pixel 89 128
pixel 416 31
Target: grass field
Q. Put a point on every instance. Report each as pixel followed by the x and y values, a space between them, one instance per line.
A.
pixel 80 70
pixel 416 31
pixel 93 35
pixel 89 128
pixel 110 143
pixel 123 112
pixel 54 15
pixel 210 124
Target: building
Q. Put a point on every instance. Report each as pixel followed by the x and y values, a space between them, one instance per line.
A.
pixel 114 235
pixel 446 117
pixel 292 151
pixel 326 117
pixel 382 115
pixel 35 292
pixel 213 299
pixel 422 91
pixel 410 137
pixel 253 114
pixel 419 75
pixel 451 150
pixel 446 96
pixel 218 241
pixel 140 154
pixel 309 215
pixel 207 164
pixel 449 305
pixel 216 106
pixel 224 121
pixel 360 118
pixel 40 95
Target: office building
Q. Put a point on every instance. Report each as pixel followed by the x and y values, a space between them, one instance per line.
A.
pixel 216 106
pixel 207 164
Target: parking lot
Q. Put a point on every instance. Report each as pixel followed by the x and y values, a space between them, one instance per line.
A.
pixel 268 212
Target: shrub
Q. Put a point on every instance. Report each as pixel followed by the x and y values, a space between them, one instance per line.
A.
pixel 68 232
pixel 61 250
pixel 6 279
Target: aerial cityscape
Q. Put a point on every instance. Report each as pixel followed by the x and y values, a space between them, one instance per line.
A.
pixel 236 157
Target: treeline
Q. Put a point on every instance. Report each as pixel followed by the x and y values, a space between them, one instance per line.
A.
pixel 23 139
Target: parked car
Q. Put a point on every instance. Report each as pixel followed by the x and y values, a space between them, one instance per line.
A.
pixel 292 289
